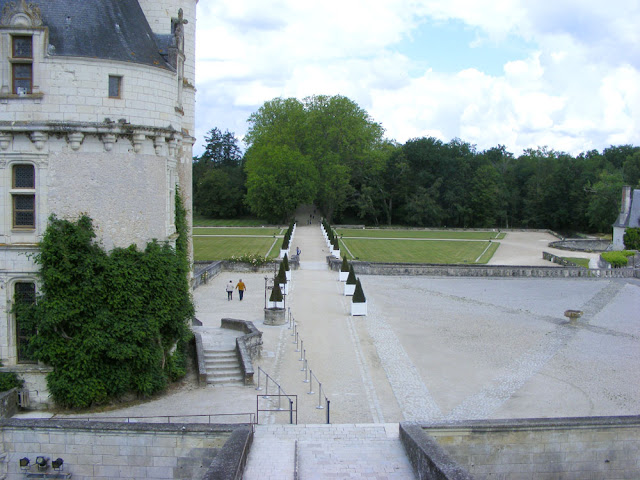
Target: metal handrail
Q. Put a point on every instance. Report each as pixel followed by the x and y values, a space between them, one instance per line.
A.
pixel 281 393
pixel 169 418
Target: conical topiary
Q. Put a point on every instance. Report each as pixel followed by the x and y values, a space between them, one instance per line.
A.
pixel 345 264
pixel 285 262
pixel 336 243
pixel 351 279
pixel 358 294
pixel 276 294
pixel 281 277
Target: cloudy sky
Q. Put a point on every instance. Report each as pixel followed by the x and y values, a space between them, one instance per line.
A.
pixel 558 73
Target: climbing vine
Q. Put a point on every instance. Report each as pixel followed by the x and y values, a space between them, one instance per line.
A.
pixel 109 323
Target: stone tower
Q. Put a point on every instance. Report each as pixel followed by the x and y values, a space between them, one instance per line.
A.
pixel 96 117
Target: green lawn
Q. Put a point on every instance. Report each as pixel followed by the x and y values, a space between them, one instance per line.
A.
pixel 440 234
pixel 583 262
pixel 267 231
pixel 221 248
pixel 420 251
pixel 200 221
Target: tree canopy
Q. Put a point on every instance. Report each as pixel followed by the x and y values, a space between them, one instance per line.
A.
pixel 328 151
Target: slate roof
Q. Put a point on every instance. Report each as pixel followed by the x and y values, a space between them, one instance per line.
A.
pixel 107 29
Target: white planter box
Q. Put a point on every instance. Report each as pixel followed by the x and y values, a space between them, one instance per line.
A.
pixel 288 275
pixel 335 253
pixel 358 309
pixel 271 304
pixel 284 288
pixel 343 276
pixel 349 289
pixel 282 252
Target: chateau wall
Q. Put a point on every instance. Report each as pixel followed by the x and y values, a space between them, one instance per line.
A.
pixel 101 450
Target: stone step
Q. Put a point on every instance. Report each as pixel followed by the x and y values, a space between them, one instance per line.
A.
pixel 224 372
pixel 328 451
pixel 223 367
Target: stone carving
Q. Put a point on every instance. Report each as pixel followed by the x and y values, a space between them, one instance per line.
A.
pixel 75 140
pixel 21 14
pixel 39 139
pixel 5 140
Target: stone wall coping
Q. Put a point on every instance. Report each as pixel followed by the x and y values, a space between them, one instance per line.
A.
pixel 429 459
pixel 106 426
pixel 112 127
pixel 241 325
pixel 230 461
pixel 202 368
pixel 479 426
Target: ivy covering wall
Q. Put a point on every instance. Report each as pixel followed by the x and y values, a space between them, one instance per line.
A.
pixel 109 323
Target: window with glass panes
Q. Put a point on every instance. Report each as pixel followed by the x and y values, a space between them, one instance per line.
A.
pixel 22 64
pixel 24 197
pixel 25 294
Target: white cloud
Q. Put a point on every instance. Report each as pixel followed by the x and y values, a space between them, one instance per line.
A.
pixel 575 89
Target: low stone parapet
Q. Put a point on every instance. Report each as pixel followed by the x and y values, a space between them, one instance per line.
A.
pixel 248 346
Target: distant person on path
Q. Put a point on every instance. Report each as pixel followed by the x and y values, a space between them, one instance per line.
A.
pixel 230 290
pixel 298 251
pixel 241 288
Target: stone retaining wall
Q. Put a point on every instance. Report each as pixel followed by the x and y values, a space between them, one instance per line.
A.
pixel 572 448
pixel 581 245
pixel 204 271
pixel 559 260
pixel 105 450
pixel 370 268
pixel 9 403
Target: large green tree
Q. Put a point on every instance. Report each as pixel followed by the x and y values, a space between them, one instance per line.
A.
pixel 332 133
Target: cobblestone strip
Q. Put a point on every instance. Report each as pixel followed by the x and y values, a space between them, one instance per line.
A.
pixel 370 391
pixel 410 391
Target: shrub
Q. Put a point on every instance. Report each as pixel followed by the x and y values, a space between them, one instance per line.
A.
pixel 9 380
pixel 358 294
pixel 285 262
pixel 345 264
pixel 281 277
pixel 252 259
pixel 276 294
pixel 351 279
pixel 336 244
pixel 616 259
pixel 632 238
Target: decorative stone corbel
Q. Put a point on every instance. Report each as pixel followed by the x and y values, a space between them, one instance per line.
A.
pixel 108 139
pixel 138 141
pixel 173 144
pixel 39 139
pixel 159 142
pixel 5 140
pixel 75 140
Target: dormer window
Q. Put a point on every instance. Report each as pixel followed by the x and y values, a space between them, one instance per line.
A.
pixel 22 64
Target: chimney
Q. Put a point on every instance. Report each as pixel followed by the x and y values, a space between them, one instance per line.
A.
pixel 626 200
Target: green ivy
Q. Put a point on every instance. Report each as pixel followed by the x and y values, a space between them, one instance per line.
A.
pixel 109 323
pixel 632 238
pixel 9 380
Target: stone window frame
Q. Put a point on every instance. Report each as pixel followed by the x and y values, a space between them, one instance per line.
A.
pixel 19 191
pixel 17 60
pixel 20 358
pixel 119 83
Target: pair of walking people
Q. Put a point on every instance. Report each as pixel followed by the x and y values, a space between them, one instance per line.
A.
pixel 230 288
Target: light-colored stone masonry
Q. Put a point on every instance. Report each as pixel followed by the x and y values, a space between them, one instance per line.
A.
pixel 575 448
pixel 100 451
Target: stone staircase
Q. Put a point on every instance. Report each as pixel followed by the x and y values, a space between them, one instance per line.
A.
pixel 223 367
pixel 328 451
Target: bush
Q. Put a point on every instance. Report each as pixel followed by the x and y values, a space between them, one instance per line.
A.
pixel 617 259
pixel 351 279
pixel 632 239
pixel 9 380
pixel 285 262
pixel 345 264
pixel 108 323
pixel 276 294
pixel 281 277
pixel 358 294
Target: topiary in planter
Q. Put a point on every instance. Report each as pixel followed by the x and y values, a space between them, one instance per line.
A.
pixel 281 277
pixel 285 241
pixel 351 279
pixel 336 244
pixel 345 264
pixel 285 262
pixel 276 294
pixel 358 294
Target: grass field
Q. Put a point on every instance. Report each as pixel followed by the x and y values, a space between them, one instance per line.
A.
pixel 220 248
pixel 199 221
pixel 420 251
pixel 258 231
pixel 583 262
pixel 436 234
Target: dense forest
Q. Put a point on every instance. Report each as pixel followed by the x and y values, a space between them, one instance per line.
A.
pixel 328 151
